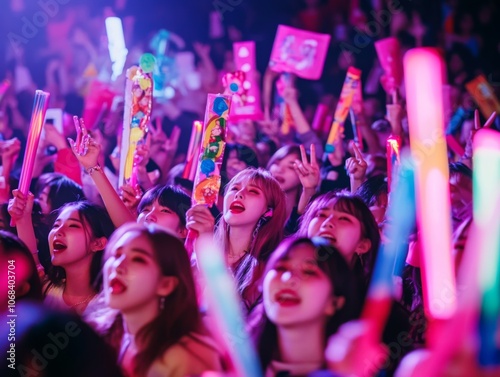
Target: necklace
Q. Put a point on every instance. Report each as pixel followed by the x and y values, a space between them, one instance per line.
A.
pixel 87 299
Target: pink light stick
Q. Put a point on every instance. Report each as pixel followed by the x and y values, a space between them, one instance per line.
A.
pixel 37 120
pixel 423 79
pixel 40 105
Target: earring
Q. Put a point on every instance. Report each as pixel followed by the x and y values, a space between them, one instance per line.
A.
pixel 269 213
pixel 162 302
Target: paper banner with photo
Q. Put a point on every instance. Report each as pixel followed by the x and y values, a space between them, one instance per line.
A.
pixel 300 52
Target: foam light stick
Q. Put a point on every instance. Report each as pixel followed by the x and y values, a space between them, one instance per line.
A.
pixel 116 45
pixel 393 148
pixel 486 181
pixel 319 117
pixel 137 111
pixel 224 302
pixel 382 291
pixel 484 95
pixel 350 86
pixel 423 79
pixel 194 146
pixel 40 105
pixel 480 265
pixel 207 180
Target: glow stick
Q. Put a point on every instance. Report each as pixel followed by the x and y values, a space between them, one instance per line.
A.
pixel 393 147
pixel 381 292
pixel 224 302
pixel 486 183
pixel 480 264
pixel 319 117
pixel 350 83
pixel 423 79
pixel 40 105
pixel 208 179
pixel 116 45
pixel 194 145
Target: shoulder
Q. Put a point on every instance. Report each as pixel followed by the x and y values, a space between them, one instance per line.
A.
pixel 193 354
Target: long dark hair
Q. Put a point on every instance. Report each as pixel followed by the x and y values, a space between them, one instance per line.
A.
pixel 352 204
pixel 97 224
pixel 342 279
pixel 180 314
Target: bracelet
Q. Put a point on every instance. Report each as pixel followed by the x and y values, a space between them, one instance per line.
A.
pixel 91 170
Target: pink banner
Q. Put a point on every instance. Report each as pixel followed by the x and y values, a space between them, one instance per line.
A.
pixel 300 52
pixel 389 55
pixel 246 106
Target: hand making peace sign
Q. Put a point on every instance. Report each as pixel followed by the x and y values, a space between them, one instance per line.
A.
pixel 356 166
pixel 308 172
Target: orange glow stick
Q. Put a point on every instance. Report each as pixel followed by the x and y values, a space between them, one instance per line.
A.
pixel 424 79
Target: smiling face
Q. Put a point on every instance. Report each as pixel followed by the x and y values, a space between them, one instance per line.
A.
pixel 69 241
pixel 244 203
pixel 296 291
pixel 163 216
pixel 285 174
pixel 132 277
pixel 341 229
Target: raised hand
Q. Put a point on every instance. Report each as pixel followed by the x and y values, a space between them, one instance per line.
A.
pixel 200 219
pixel 356 166
pixel 20 206
pixel 131 196
pixel 10 149
pixel 477 127
pixel 85 148
pixel 308 172
pixel 351 352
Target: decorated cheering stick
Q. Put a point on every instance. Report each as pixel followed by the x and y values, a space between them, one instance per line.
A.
pixel 207 181
pixel 351 83
pixel 137 112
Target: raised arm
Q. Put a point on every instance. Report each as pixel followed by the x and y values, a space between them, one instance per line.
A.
pixel 87 152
